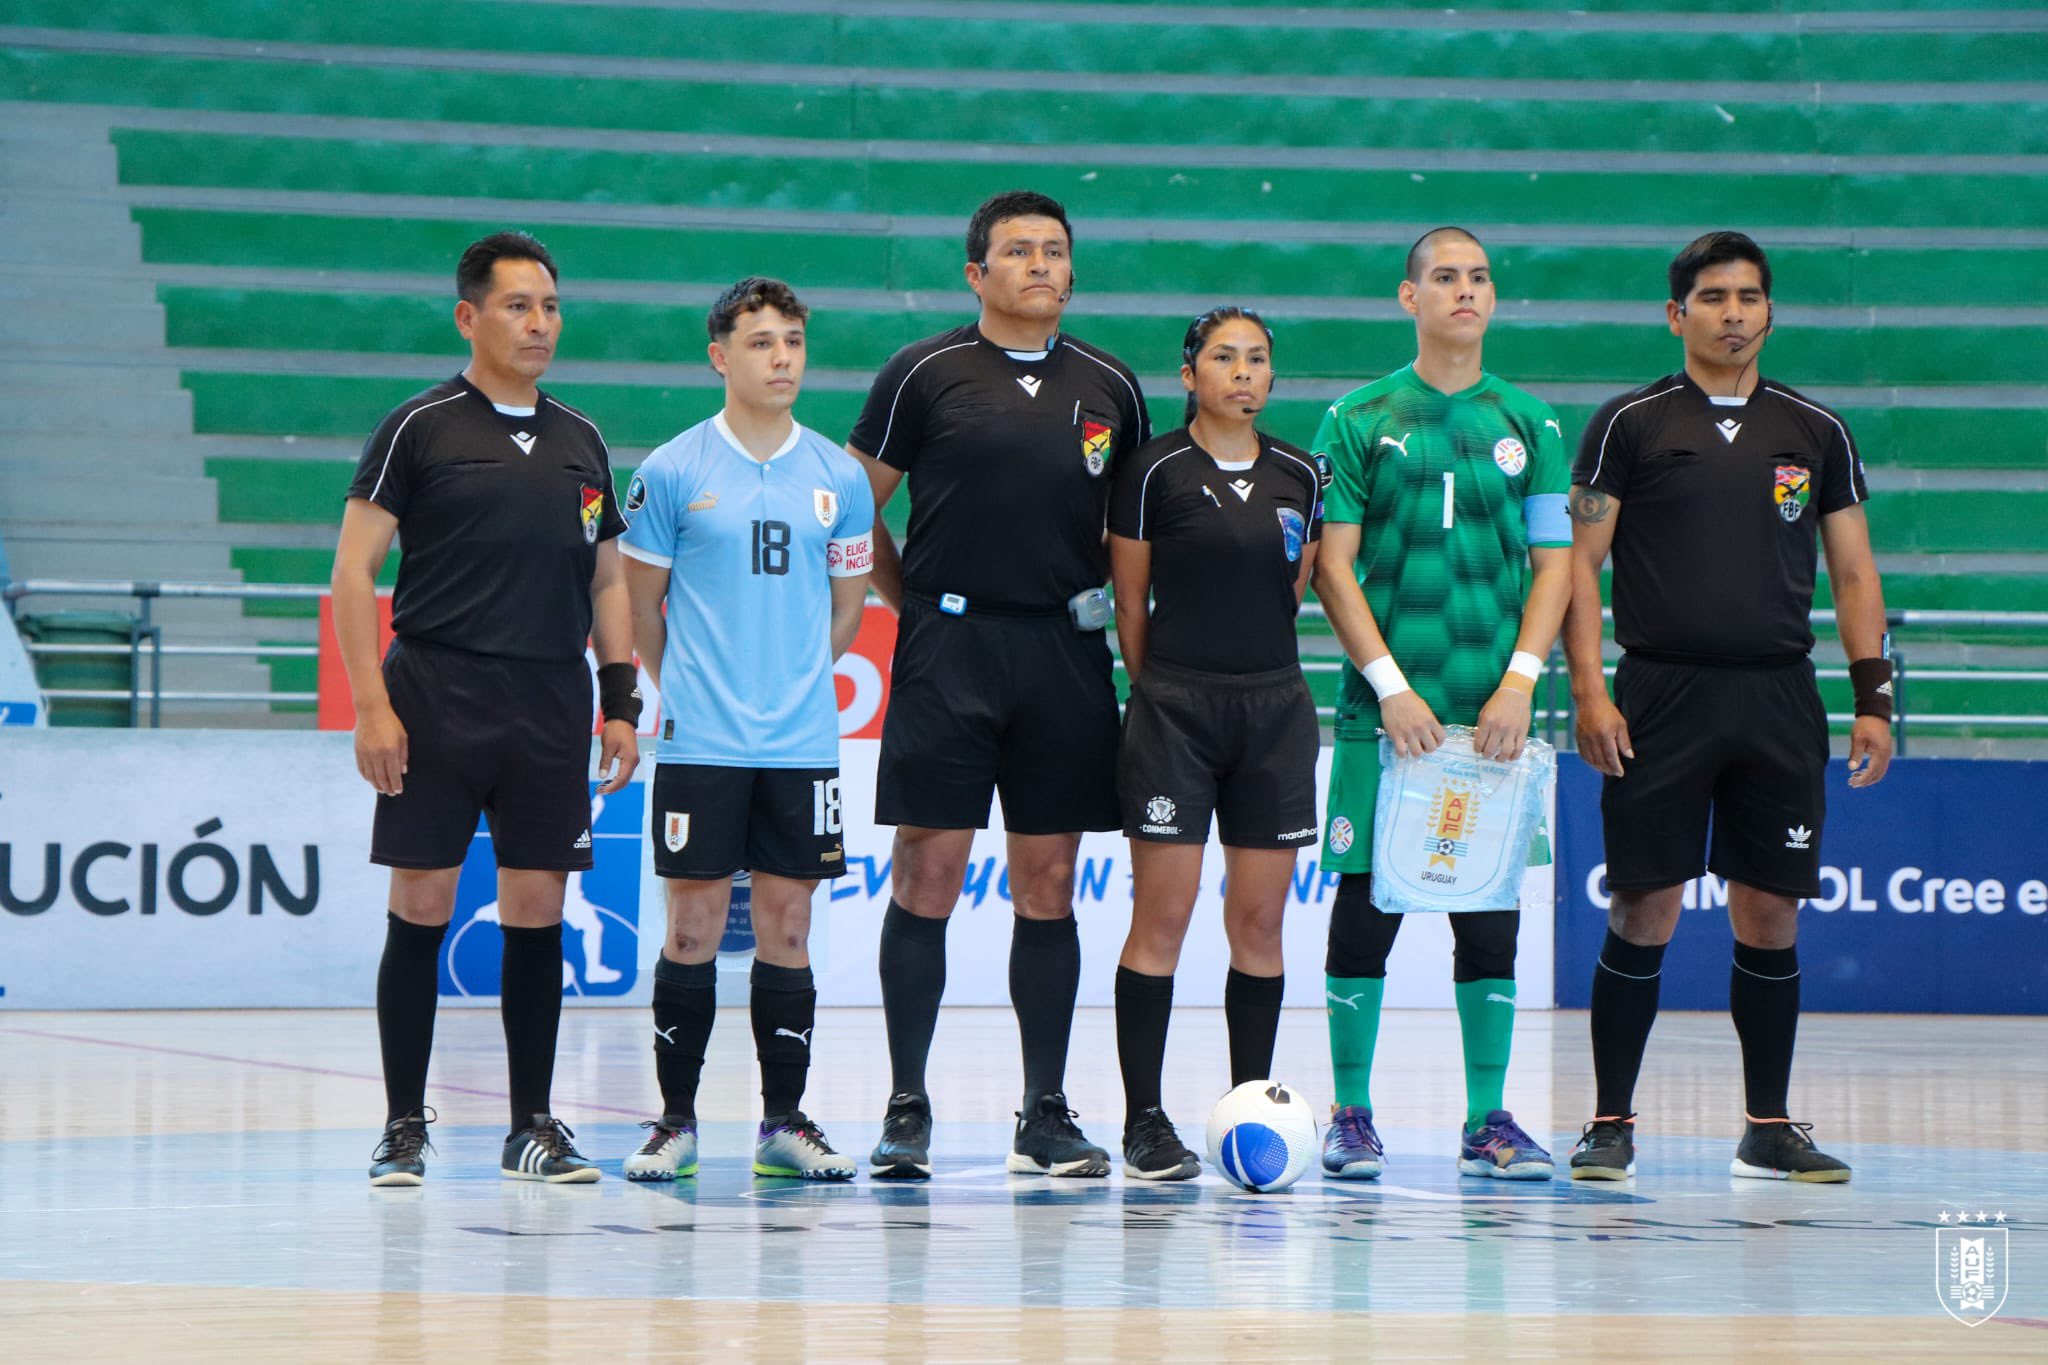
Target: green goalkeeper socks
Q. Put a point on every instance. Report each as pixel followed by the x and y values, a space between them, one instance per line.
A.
pixel 1486 1018
pixel 1353 1004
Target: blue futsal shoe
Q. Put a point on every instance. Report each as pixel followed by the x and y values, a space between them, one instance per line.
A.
pixel 1351 1149
pixel 1500 1149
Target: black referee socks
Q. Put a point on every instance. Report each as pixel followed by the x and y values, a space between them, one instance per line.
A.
pixel 1763 998
pixel 530 1004
pixel 1625 988
pixel 1251 1015
pixel 408 988
pixel 785 1009
pixel 685 1006
pixel 1144 1004
pixel 1045 976
pixel 913 959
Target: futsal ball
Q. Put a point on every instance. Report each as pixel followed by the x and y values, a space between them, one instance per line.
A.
pixel 1262 1136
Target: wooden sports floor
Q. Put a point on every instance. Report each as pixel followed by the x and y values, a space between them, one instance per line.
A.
pixel 190 1186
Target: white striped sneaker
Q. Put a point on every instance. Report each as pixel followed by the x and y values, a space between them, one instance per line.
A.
pixel 544 1152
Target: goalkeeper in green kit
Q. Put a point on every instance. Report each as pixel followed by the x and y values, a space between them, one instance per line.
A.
pixel 1445 569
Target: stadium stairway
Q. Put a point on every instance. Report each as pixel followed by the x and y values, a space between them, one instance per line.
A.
pixel 101 476
pixel 302 177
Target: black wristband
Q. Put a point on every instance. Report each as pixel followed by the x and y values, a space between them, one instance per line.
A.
pixel 618 692
pixel 1872 679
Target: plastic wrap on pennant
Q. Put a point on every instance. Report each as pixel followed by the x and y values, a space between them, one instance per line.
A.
pixel 1452 830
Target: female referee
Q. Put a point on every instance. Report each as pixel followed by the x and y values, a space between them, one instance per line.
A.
pixel 1213 532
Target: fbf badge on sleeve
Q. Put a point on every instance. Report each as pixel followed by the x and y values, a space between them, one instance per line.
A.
pixel 1969 1271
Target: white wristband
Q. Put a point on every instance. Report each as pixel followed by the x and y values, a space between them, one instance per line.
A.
pixel 1526 664
pixel 1385 676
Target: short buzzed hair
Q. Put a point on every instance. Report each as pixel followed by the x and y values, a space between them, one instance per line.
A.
pixel 750 295
pixel 1418 255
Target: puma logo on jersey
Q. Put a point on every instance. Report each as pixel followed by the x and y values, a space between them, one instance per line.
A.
pixel 1348 1001
pixel 804 1037
pixel 668 1035
pixel 1551 422
pixel 703 504
pixel 524 442
pixel 1400 445
pixel 1729 429
pixel 1243 489
pixel 1029 383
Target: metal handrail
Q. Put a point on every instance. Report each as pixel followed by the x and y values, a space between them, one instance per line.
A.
pixel 147 644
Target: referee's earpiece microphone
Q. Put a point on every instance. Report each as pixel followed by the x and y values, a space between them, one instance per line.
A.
pixel 1068 292
pixel 1681 308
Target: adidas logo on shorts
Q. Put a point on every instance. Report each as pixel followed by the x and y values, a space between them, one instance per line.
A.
pixel 582 840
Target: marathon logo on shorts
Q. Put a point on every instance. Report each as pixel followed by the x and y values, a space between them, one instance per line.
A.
pixel 593 513
pixel 1793 486
pixel 1297 836
pixel 1095 443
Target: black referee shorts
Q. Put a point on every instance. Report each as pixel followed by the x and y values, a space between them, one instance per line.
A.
pixel 507 738
pixel 1239 745
pixel 1743 749
pixel 980 704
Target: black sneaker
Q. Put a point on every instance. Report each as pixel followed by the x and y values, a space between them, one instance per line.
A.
pixel 1049 1143
pixel 905 1151
pixel 399 1158
pixel 544 1152
pixel 1606 1150
pixel 1779 1149
pixel 1154 1151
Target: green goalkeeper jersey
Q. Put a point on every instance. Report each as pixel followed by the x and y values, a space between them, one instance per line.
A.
pixel 1449 492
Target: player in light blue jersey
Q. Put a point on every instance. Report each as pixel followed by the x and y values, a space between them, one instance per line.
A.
pixel 755 533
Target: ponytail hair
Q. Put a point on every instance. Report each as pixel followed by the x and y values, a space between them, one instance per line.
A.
pixel 1198 336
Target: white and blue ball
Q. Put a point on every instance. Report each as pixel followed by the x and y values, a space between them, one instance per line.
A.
pixel 1262 1136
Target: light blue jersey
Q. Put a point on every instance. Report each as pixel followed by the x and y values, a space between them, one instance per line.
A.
pixel 751 547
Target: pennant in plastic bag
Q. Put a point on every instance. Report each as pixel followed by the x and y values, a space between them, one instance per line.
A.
pixel 1454 831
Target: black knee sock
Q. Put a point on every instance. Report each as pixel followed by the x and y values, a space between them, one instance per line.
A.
pixel 1625 984
pixel 408 987
pixel 530 1004
pixel 785 1008
pixel 913 980
pixel 1045 974
pixel 1763 996
pixel 1251 1013
pixel 685 1006
pixel 1144 1004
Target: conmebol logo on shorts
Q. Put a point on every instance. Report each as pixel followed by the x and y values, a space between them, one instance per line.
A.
pixel 600 913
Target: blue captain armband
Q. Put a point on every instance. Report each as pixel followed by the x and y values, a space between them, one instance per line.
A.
pixel 1548 519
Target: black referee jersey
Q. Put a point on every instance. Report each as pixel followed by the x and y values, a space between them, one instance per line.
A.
pixel 1227 542
pixel 499 517
pixel 1008 456
pixel 1715 543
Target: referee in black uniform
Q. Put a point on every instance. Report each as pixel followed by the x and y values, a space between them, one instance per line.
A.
pixel 1008 431
pixel 1213 531
pixel 503 498
pixel 1709 486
